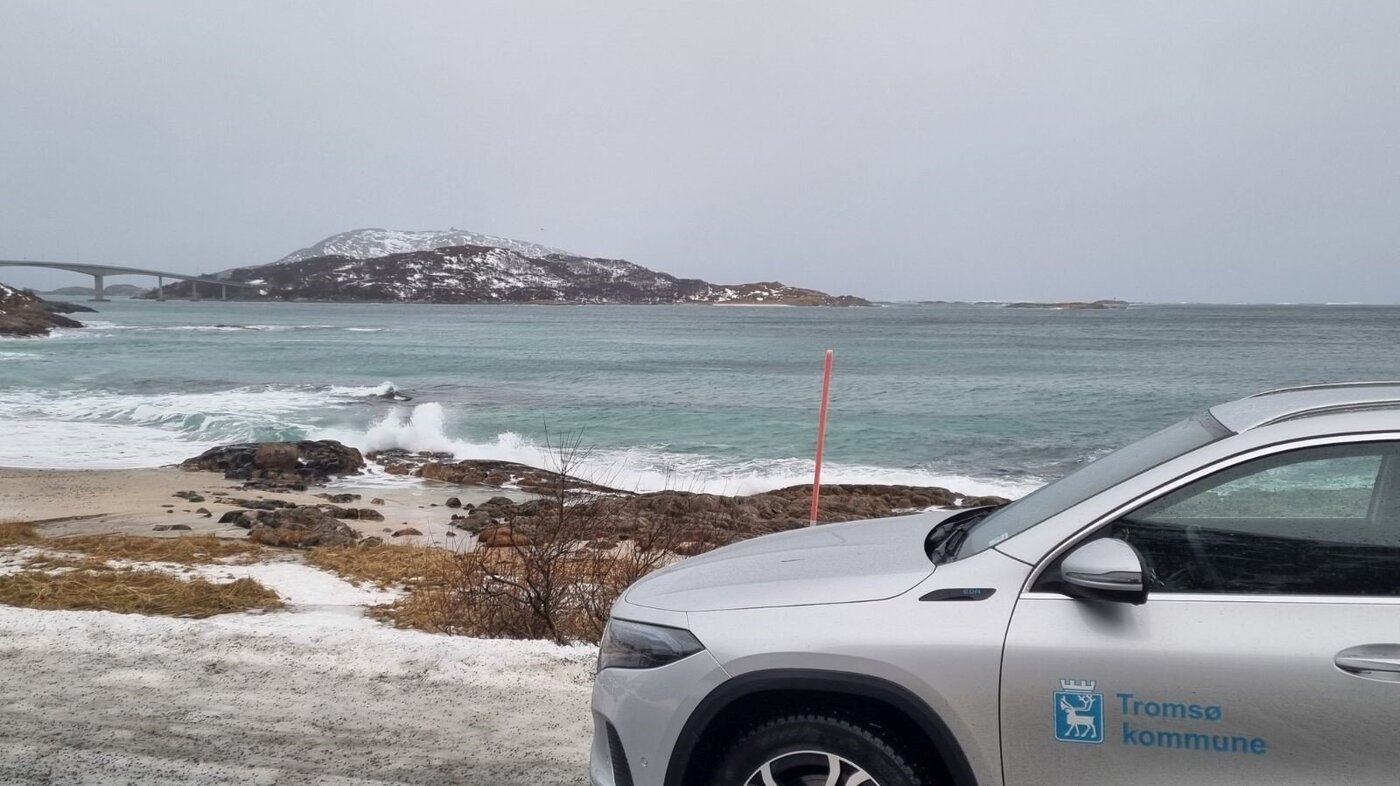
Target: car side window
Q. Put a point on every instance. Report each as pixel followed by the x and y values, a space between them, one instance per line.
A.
pixel 1314 521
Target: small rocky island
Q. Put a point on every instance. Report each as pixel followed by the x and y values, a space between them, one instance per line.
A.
pixel 455 266
pixel 1073 305
pixel 23 313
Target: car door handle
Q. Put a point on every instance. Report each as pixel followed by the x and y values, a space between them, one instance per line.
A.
pixel 1377 661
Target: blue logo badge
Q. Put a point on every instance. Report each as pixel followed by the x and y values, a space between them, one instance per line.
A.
pixel 1078 712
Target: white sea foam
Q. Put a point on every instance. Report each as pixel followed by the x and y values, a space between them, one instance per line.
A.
pixel 107 430
pixel 362 391
pixel 219 416
pixel 424 428
pixel 59 445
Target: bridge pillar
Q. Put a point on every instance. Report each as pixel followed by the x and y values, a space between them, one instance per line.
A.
pixel 98 290
pixel 160 288
pixel 223 291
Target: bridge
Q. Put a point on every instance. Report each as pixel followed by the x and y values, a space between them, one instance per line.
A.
pixel 99 272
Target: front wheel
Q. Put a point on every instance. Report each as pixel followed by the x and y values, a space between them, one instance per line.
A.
pixel 815 750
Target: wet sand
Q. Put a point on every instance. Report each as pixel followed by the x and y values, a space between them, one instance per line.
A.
pixel 135 501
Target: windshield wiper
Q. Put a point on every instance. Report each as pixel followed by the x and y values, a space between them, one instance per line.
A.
pixel 946 538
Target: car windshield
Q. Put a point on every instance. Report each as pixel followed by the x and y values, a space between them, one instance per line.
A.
pixel 1092 479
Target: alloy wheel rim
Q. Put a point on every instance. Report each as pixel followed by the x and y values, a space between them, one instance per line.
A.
pixel 810 768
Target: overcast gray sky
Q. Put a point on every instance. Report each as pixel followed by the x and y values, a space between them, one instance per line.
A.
pixel 1208 151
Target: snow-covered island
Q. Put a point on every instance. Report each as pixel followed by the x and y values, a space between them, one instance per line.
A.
pixel 455 266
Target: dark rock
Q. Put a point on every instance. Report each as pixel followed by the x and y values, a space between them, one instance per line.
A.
pixel 171 528
pixel 454 502
pixel 189 496
pixel 302 527
pixel 64 307
pixel 280 463
pixel 203 512
pixel 404 462
pixel 274 486
pixel 372 540
pixel 340 499
pixel 353 514
pixel 450 534
pixel 475 521
pixel 377 501
pixel 23 313
pixel 393 394
pixel 701 522
pixel 239 518
pixel 406 532
pixel 259 504
pixel 983 502
pixel 476 472
pixel 502 537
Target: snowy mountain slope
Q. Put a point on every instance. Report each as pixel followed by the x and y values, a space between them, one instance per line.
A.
pixel 370 243
pixel 392 266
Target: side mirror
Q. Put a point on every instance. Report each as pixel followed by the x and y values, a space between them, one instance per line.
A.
pixel 1104 569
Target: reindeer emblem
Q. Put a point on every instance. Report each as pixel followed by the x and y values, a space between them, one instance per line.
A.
pixel 1080 725
pixel 1078 712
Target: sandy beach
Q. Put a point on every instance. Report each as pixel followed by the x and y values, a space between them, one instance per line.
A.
pixel 135 501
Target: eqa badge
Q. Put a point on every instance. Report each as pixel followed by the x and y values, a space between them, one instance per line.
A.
pixel 1078 712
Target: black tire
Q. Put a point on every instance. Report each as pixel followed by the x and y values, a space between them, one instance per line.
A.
pixel 798 748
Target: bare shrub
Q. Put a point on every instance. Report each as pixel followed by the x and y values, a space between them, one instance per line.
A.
pixel 551 573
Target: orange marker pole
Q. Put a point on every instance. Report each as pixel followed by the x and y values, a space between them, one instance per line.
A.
pixel 821 437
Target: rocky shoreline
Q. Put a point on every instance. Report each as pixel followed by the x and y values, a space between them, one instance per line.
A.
pixel 695 522
pixel 23 313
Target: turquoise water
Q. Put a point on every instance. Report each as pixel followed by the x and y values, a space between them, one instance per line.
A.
pixel 979 398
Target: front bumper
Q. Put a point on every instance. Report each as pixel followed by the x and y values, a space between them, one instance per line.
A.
pixel 638 715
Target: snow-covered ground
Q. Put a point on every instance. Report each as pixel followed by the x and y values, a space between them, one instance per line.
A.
pixel 316 694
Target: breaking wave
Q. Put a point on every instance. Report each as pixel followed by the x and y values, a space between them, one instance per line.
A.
pixel 424 428
pixel 99 430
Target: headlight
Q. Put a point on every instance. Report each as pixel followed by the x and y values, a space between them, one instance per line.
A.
pixel 633 645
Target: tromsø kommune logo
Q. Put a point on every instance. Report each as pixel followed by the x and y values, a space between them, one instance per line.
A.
pixel 1078 712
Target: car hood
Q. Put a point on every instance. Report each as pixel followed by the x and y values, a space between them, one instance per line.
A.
pixel 830 563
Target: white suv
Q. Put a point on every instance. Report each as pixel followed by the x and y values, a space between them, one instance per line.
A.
pixel 1217 603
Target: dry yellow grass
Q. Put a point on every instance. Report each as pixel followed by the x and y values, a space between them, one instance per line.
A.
pixel 55 561
pixel 133 592
pixel 187 550
pixel 18 533
pixel 383 566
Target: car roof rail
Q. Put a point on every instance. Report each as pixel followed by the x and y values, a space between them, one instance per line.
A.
pixel 1339 409
pixel 1275 406
pixel 1329 386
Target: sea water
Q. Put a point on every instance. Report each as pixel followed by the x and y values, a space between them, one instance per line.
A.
pixel 981 399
